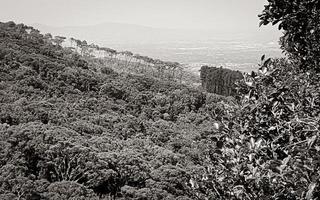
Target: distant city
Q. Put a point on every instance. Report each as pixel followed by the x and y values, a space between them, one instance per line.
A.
pixel 190 47
pixel 236 55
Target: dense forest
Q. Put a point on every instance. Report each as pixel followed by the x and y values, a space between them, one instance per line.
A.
pixel 74 130
pixel 74 127
pixel 219 80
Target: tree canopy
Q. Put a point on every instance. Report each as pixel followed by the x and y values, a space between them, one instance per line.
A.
pixel 71 129
pixel 299 20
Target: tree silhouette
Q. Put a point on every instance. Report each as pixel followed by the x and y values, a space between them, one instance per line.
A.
pixel 301 31
pixel 58 40
pixel 218 80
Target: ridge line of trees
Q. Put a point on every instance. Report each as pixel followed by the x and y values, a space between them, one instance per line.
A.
pixel 219 80
pixel 126 60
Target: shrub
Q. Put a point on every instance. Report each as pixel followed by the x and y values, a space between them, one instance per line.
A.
pixel 270 145
pixel 299 20
pixel 107 70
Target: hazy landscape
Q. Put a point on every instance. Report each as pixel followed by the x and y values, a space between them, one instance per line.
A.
pixel 238 51
pixel 159 100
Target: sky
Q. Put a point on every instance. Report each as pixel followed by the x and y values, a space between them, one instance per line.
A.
pixel 231 15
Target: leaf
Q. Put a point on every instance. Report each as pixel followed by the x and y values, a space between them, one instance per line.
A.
pixel 263 57
pixel 311 141
pixel 252 143
pixel 219 144
pixel 249 83
pixel 284 163
pixel 275 22
pixel 258 143
pixel 266 63
pixel 286 160
pixel 263 70
pixel 261 23
pixel 193 183
pixel 309 195
pixel 216 125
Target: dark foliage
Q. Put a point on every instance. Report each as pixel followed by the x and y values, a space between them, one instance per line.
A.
pixel 219 81
pixel 70 131
pixel 299 20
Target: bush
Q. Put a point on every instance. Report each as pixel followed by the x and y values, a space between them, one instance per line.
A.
pixel 299 20
pixel 113 90
pixel 107 70
pixel 271 146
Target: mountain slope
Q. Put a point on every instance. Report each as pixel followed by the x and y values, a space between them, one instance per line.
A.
pixel 71 131
pixel 71 128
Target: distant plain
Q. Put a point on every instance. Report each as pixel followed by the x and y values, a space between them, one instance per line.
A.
pixel 237 51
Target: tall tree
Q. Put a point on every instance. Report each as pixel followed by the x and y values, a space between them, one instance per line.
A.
pixel 299 20
pixel 58 40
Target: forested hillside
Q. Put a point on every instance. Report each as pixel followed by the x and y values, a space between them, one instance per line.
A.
pixel 127 61
pixel 71 130
pixel 74 127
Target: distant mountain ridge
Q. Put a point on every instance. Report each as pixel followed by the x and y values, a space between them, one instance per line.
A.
pixel 237 51
pixel 130 33
pixel 114 33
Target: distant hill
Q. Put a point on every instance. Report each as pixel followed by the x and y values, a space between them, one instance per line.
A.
pixel 238 51
pixel 119 33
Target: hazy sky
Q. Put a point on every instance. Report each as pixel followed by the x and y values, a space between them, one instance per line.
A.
pixel 191 14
